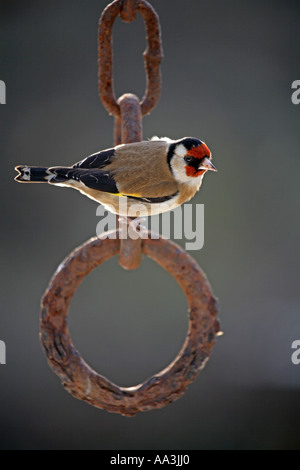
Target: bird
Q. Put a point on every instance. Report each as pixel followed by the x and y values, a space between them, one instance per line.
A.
pixel 149 177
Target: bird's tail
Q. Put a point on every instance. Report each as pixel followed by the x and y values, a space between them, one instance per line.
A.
pixel 32 174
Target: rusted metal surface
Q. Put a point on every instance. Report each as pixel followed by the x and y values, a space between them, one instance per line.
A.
pixel 77 377
pixel 152 55
pixel 130 255
pixel 105 58
pixel 165 386
pixel 131 118
pixel 129 10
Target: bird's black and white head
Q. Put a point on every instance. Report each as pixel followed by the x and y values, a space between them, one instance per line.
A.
pixel 189 159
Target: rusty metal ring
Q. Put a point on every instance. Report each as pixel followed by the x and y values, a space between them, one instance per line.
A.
pixel 161 389
pixel 152 55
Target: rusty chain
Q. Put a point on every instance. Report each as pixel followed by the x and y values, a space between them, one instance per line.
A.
pixel 77 377
pixel 152 55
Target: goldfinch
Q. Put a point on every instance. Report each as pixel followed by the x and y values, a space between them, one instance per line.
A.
pixel 148 177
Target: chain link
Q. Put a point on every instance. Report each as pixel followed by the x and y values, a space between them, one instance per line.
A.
pixel 152 55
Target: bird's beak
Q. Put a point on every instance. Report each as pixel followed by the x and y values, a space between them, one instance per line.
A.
pixel 207 165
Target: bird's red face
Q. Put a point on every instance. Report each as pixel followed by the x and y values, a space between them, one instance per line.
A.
pixel 198 161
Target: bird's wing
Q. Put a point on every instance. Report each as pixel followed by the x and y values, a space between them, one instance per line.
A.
pixel 94 179
pixel 100 180
pixel 97 160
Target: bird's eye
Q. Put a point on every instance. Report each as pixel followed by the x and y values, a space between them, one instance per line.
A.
pixel 188 159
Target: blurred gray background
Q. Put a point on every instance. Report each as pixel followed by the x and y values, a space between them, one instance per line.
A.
pixel 227 78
